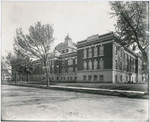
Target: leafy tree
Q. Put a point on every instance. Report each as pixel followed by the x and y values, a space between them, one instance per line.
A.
pixel 17 67
pixel 6 61
pixel 37 44
pixel 3 62
pixel 132 23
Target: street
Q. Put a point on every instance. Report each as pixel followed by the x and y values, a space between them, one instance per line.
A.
pixel 26 103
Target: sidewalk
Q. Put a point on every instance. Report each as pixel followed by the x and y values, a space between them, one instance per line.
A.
pixel 122 93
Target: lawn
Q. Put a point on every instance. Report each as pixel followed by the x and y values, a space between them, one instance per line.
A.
pixel 117 86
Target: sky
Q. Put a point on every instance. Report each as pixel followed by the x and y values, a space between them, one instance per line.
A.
pixel 78 19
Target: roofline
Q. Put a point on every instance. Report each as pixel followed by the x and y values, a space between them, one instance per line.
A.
pixel 103 35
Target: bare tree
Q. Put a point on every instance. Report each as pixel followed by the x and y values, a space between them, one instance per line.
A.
pixel 37 44
pixel 132 23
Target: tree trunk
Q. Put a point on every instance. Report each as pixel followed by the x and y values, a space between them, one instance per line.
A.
pixel 15 78
pixel 27 77
pixel 47 74
pixel 20 76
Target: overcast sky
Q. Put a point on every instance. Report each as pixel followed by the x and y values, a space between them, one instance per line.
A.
pixel 79 19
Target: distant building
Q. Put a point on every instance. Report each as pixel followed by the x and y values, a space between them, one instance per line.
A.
pixel 99 58
pixel 5 75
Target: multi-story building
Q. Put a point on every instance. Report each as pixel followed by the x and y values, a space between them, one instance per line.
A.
pixel 105 59
pixel 99 58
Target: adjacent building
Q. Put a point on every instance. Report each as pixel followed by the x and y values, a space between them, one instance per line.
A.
pixel 5 75
pixel 99 58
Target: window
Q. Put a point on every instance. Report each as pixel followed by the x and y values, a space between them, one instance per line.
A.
pixel 116 78
pixel 52 78
pixel 95 51
pixel 75 78
pixel 70 78
pixel 84 77
pixel 85 53
pixel 47 63
pixel 63 51
pixel 121 78
pixel 66 50
pixel 134 65
pixel 63 62
pixel 121 53
pixel 126 78
pixel 120 65
pixel 101 78
pixel 95 77
pixel 116 63
pixel 90 65
pixel 57 69
pixel 70 61
pixel 57 62
pixel 53 62
pixel 75 60
pixel 61 78
pixel 70 70
pixel 101 64
pixel 116 49
pixel 85 65
pixel 90 77
pixel 64 78
pixel 52 69
pixel 90 52
pixel 75 69
pixel 66 70
pixel 95 64
pixel 125 61
pixel 57 78
pixel 101 50
pixel 63 70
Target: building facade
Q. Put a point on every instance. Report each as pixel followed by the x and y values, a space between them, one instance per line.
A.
pixel 99 58
pixel 5 75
